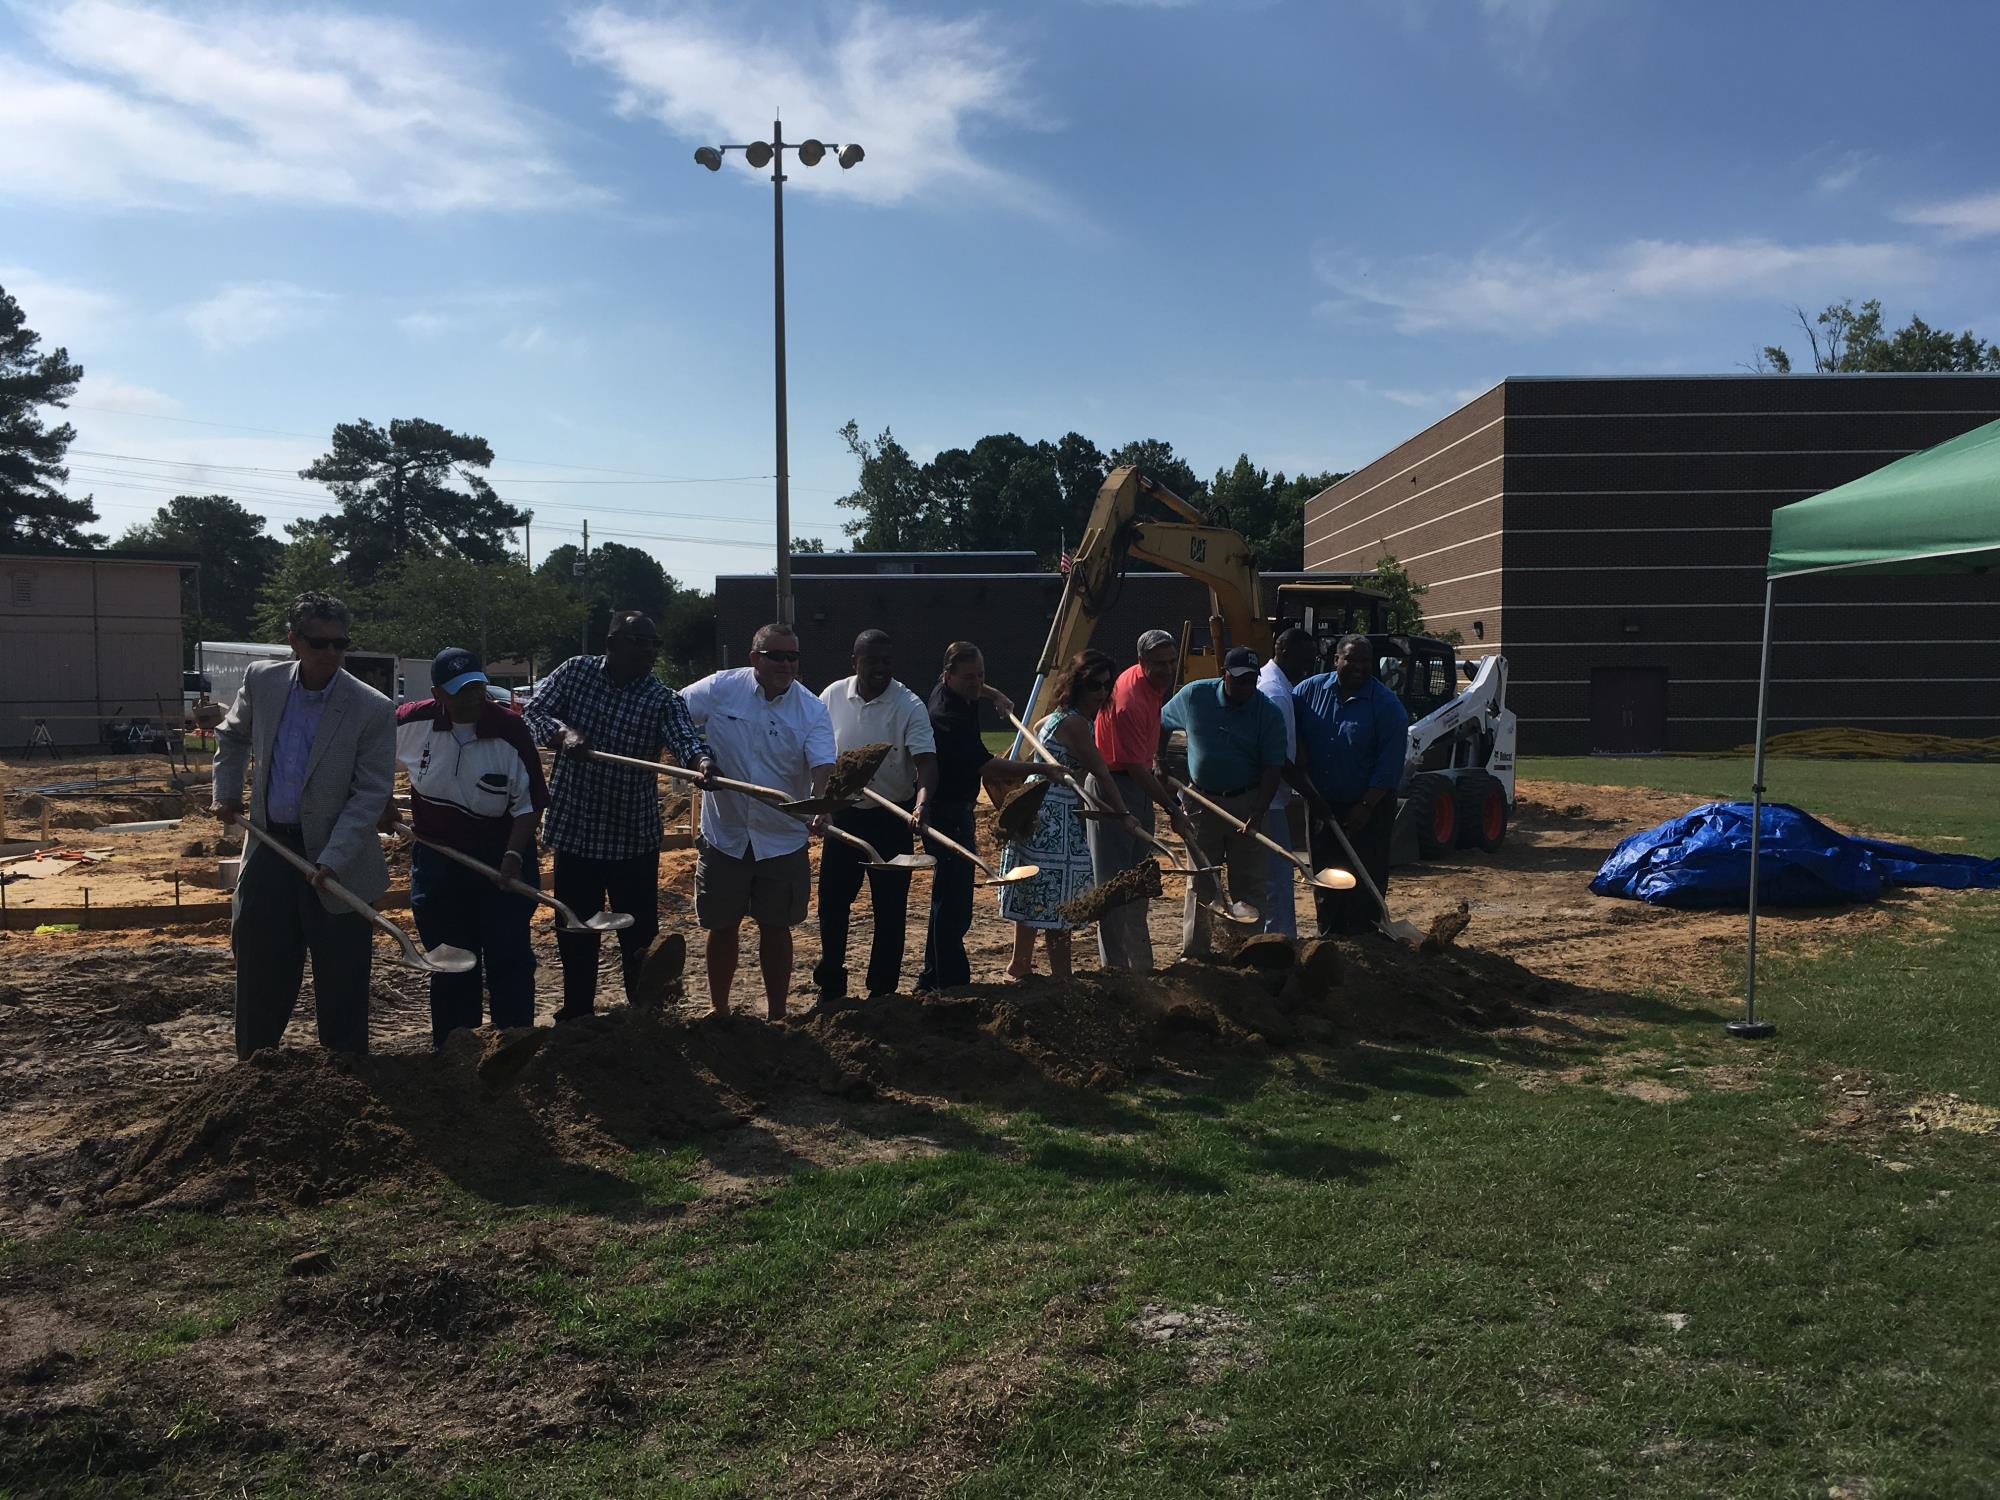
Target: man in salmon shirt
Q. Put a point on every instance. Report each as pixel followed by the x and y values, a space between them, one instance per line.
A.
pixel 1128 737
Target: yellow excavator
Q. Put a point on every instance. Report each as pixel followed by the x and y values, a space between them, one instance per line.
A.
pixel 1458 781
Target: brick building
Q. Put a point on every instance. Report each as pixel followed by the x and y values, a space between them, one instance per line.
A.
pixel 1609 535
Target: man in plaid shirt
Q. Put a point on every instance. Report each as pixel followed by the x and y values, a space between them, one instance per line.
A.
pixel 603 822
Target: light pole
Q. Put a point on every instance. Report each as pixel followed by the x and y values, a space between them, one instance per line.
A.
pixel 759 154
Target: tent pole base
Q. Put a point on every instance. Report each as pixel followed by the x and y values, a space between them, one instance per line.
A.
pixel 1751 1030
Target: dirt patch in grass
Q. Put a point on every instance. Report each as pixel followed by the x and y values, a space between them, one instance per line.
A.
pixel 532 1115
pixel 1858 1106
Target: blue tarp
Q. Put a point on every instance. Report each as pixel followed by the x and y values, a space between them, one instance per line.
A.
pixel 1702 859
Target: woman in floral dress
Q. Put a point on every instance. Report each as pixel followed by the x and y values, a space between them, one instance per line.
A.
pixel 1078 691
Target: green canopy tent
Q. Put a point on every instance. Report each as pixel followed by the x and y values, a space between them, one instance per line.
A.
pixel 1937 511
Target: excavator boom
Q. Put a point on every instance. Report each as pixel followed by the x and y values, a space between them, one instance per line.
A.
pixel 1116 533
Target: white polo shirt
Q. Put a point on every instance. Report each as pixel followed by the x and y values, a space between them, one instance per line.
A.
pixel 1276 686
pixel 754 738
pixel 895 717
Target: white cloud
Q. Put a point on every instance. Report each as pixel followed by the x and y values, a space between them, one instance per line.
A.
pixel 423 324
pixel 1526 295
pixel 64 314
pixel 538 340
pixel 108 391
pixel 909 89
pixel 1845 171
pixel 248 312
pixel 1961 218
pixel 143 107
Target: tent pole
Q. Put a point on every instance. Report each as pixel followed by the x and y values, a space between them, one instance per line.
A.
pixel 1750 1026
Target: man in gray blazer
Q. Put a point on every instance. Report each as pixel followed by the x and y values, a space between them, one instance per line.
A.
pixel 324 744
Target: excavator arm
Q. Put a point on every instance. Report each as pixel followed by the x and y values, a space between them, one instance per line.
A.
pixel 1116 533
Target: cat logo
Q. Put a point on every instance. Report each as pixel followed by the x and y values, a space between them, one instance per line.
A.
pixel 1198 549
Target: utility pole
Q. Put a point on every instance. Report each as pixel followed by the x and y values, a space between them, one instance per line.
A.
pixel 772 153
pixel 528 540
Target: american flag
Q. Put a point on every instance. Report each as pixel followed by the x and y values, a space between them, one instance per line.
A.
pixel 1062 561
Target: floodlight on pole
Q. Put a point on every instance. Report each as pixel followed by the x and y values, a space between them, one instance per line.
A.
pixel 771 153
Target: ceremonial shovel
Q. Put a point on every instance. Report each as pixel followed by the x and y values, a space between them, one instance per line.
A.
pixel 783 802
pixel 1395 927
pixel 993 876
pixel 443 959
pixel 1328 879
pixel 603 921
pixel 1241 913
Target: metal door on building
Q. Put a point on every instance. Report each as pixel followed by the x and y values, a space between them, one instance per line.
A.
pixel 1628 710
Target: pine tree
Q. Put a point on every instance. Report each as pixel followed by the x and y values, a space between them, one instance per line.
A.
pixel 34 512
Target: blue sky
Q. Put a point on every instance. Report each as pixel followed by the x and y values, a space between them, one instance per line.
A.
pixel 1296 230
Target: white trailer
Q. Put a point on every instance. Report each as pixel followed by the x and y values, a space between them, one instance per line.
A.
pixel 222 664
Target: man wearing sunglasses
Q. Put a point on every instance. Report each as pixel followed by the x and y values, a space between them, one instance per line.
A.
pixel 752 861
pixel 603 822
pixel 324 746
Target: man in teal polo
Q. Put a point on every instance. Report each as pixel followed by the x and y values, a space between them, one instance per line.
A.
pixel 1236 750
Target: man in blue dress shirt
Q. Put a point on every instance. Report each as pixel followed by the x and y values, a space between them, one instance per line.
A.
pixel 1354 735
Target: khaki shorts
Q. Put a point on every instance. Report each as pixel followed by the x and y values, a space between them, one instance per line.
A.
pixel 772 892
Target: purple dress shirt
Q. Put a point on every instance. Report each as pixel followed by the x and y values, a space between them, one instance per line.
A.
pixel 292 749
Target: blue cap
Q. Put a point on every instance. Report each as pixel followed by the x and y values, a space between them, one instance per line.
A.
pixel 453 667
pixel 1239 661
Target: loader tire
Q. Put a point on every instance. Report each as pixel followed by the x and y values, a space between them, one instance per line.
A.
pixel 1433 812
pixel 1482 812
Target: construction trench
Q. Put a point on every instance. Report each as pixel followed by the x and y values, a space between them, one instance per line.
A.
pixel 123 1111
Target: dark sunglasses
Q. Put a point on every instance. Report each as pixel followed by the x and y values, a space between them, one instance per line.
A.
pixel 327 642
pixel 1097 682
pixel 779 655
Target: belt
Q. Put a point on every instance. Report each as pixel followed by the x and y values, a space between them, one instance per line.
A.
pixel 295 830
pixel 1218 796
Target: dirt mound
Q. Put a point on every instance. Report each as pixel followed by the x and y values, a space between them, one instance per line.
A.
pixel 853 770
pixel 1014 822
pixel 522 1116
pixel 1140 882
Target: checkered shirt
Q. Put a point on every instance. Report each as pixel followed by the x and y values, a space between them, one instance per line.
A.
pixel 600 811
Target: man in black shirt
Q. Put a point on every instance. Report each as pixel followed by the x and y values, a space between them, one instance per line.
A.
pixel 962 760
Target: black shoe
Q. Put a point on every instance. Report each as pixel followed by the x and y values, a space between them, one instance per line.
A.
pixel 566 1013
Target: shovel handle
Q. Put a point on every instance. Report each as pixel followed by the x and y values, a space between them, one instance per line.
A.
pixel 334 888
pixel 1259 835
pixel 929 832
pixel 1360 870
pixel 682 773
pixel 518 887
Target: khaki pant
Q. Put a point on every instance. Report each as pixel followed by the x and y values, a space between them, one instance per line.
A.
pixel 1240 855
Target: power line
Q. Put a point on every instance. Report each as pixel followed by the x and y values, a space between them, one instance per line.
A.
pixel 533 463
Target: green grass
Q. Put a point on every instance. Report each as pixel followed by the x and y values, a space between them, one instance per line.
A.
pixel 1956 805
pixel 1484 1270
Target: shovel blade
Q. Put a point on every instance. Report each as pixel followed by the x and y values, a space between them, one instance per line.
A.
pixel 445 959
pixel 608 921
pixel 1331 879
pixel 811 806
pixel 1014 876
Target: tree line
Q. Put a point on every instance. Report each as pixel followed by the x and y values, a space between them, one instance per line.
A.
pixel 423 548
pixel 418 543
pixel 1005 494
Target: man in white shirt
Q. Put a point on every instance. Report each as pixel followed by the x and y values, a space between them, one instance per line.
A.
pixel 763 728
pixel 1295 658
pixel 873 708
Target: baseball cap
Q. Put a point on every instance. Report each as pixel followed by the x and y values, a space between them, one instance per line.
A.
pixel 1240 661
pixel 453 667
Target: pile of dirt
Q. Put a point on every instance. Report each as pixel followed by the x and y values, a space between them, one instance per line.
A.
pixel 1014 821
pixel 853 770
pixel 1140 882
pixel 522 1116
